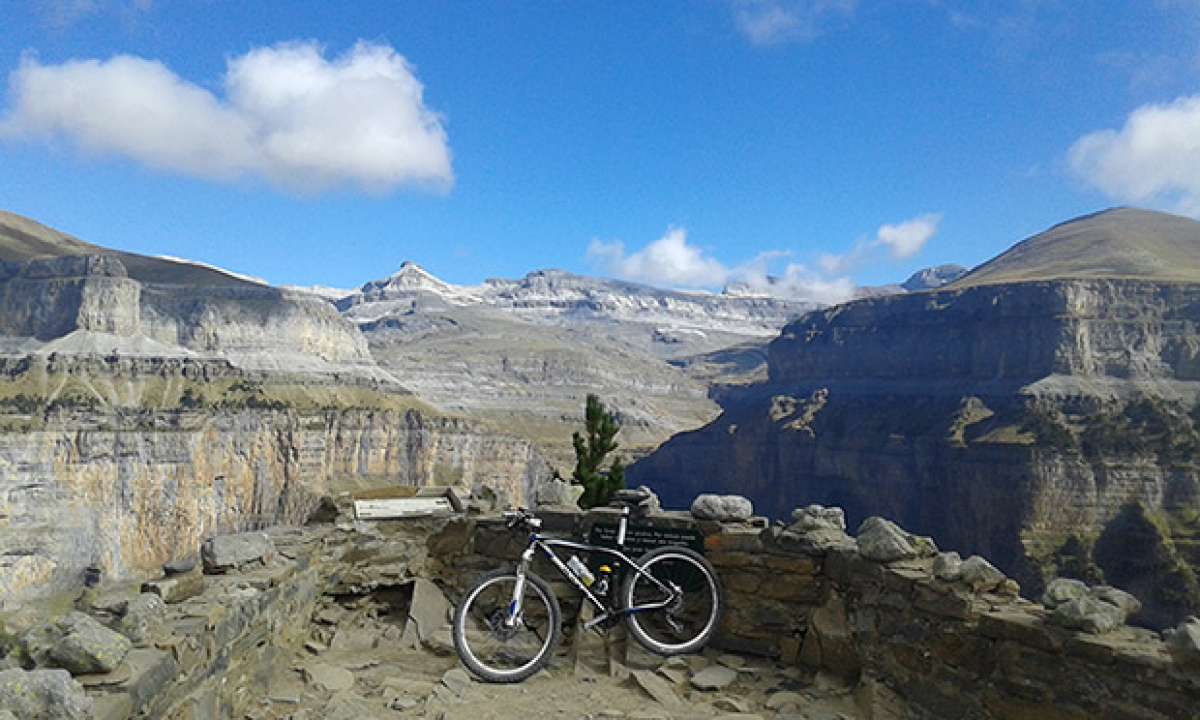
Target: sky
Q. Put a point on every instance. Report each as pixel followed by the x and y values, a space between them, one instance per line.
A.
pixel 686 144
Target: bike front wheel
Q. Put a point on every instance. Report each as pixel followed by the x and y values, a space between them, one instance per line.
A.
pixel 496 650
pixel 681 618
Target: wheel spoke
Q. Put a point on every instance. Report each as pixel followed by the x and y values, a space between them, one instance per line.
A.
pixel 692 602
pixel 495 645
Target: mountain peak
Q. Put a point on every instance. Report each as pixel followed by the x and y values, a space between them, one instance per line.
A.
pixel 1120 243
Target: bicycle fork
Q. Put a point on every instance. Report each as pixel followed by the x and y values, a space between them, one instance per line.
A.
pixel 514 607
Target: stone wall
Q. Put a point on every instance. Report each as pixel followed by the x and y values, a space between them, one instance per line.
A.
pixel 922 635
pixel 967 647
pixel 190 646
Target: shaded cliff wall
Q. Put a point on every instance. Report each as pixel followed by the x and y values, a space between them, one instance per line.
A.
pixel 1016 421
pixel 127 491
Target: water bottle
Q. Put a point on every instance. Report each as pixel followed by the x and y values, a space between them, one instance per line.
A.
pixel 585 576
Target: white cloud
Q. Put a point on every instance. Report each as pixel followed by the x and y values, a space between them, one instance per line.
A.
pixel 62 14
pixel 906 239
pixel 902 240
pixel 669 261
pixel 288 115
pixel 1154 158
pixel 769 22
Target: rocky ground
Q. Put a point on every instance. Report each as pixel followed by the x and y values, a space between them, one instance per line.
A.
pixel 368 674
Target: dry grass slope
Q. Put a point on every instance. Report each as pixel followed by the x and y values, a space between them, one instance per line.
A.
pixel 1119 243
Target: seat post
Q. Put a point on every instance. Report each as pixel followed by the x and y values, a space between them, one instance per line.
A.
pixel 621 525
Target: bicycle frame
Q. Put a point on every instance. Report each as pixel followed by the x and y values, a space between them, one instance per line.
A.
pixel 537 541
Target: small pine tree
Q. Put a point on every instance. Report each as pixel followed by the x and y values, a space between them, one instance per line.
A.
pixel 601 427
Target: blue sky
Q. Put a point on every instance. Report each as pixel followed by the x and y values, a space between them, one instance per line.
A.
pixel 679 143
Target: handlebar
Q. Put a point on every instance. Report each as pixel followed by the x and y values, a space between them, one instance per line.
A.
pixel 521 517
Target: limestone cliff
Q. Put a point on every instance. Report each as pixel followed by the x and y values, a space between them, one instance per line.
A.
pixel 1043 422
pixel 126 491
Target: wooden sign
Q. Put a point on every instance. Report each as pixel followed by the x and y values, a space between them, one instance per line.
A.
pixel 395 508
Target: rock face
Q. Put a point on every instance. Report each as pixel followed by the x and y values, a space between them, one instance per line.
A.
pixel 1044 418
pixel 61 295
pixel 523 353
pixel 128 493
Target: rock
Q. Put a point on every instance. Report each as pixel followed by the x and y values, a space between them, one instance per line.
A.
pixel 333 679
pixel 555 492
pixel 713 677
pixel 1184 641
pixel 43 695
pixel 818 517
pixel 427 613
pixel 87 647
pixel 947 566
pixel 1088 614
pixel 1115 596
pixel 884 541
pixel 225 552
pixel 110 603
pixel 180 566
pixel 779 700
pixel 656 687
pixel 722 508
pixel 1060 590
pixel 37 642
pixel 828 644
pixel 143 618
pixel 734 662
pixel 731 704
pixel 457 680
pixel 177 588
pixel 815 529
pixel 326 511
pixel 980 575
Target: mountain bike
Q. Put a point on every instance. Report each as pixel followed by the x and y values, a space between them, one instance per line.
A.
pixel 509 623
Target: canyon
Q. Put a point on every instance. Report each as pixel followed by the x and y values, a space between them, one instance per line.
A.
pixel 1040 410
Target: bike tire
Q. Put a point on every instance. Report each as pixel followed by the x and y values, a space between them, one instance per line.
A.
pixel 501 675
pixel 635 623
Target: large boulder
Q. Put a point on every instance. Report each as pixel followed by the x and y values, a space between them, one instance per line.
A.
pixel 947 566
pixel 1061 590
pixel 722 508
pixel 1097 609
pixel 980 575
pixel 885 541
pixel 1089 615
pixel 1184 641
pixel 143 619
pixel 818 529
pixel 1114 596
pixel 87 647
pixel 557 493
pixel 43 695
pixel 227 552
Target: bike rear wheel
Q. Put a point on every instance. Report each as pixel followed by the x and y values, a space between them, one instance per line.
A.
pixel 686 624
pixel 495 652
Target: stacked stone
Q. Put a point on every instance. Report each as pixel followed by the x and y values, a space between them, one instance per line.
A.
pixel 182 645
